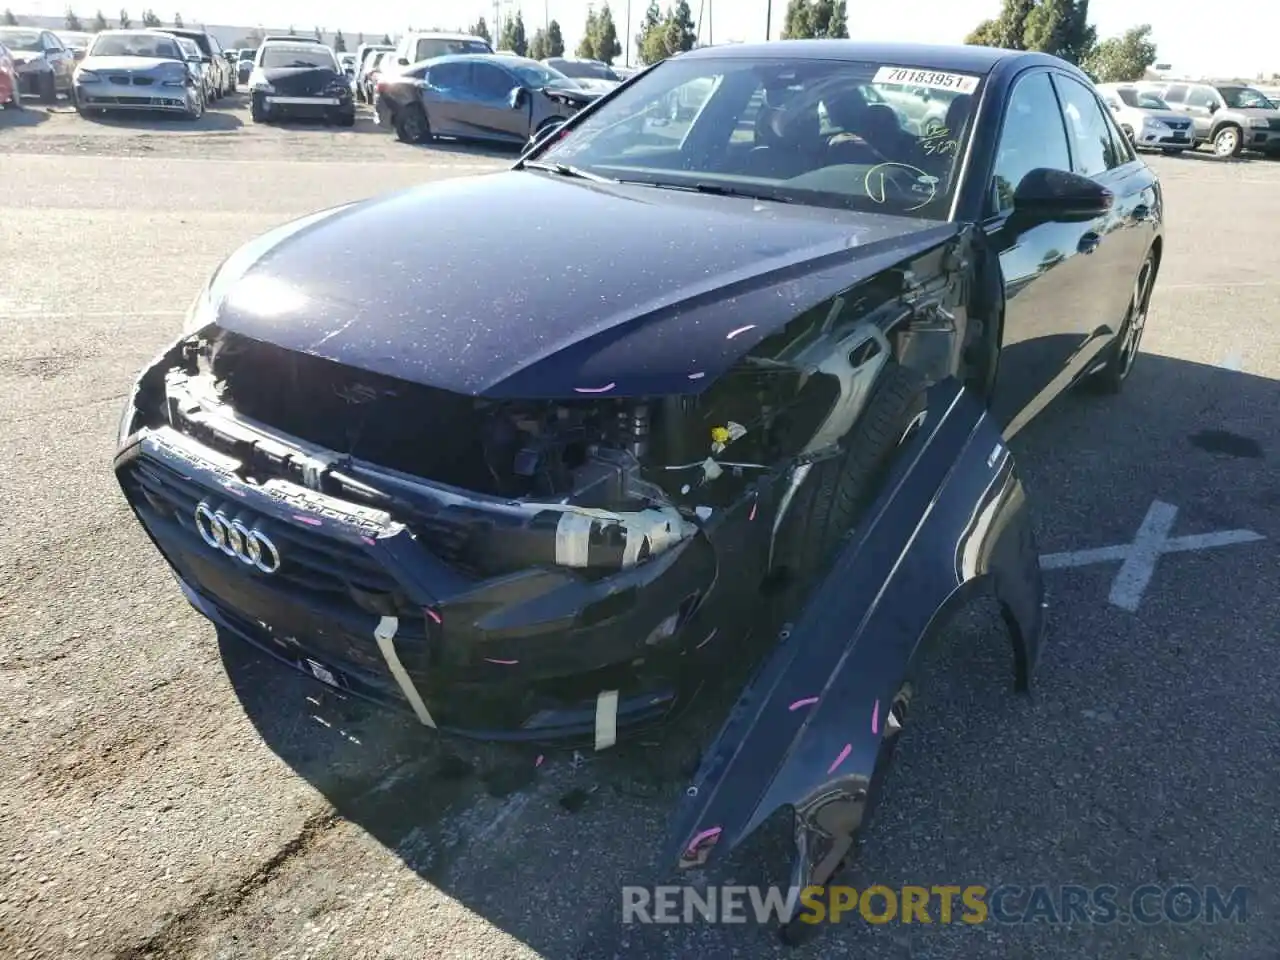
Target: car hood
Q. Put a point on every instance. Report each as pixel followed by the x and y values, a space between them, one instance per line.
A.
pixel 523 284
pixel 1164 116
pixel 300 81
pixel 596 84
pixel 132 64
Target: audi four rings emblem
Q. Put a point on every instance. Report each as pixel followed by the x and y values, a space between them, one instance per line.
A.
pixel 251 547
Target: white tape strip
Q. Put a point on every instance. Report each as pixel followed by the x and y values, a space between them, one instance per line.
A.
pixel 573 540
pixel 606 719
pixel 385 634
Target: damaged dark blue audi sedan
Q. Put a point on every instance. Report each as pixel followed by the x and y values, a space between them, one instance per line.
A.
pixel 753 401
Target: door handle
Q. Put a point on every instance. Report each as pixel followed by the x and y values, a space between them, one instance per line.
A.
pixel 1141 213
pixel 1089 242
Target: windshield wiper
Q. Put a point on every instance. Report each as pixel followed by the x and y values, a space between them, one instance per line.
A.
pixel 713 189
pixel 563 170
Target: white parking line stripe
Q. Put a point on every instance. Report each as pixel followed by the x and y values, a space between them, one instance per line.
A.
pixel 87 314
pixel 1209 285
pixel 1139 558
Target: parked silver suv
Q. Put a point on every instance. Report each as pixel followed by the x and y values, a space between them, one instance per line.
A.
pixel 1231 116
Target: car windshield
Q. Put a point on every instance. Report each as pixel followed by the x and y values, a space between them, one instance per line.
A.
pixel 1141 98
pixel 534 74
pixel 248 54
pixel 27 41
pixel 818 132
pixel 429 48
pixel 189 48
pixel 135 45
pixel 1245 98
pixel 76 41
pixel 276 58
pixel 583 69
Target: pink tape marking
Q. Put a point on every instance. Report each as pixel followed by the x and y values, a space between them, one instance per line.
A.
pixel 875 718
pixel 696 376
pixel 733 333
pixel 702 837
pixel 309 521
pixel 754 506
pixel 806 702
pixel 369 540
pixel 605 389
pixel 538 762
pixel 501 663
pixel 843 756
pixel 435 617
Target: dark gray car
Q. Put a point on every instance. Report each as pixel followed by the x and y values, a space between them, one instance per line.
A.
pixel 489 97
pixel 1229 115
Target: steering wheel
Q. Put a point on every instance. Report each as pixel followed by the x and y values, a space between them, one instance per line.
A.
pixel 902 179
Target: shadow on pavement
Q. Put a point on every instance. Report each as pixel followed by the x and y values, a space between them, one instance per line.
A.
pixel 213 120
pixel 987 787
pixel 28 116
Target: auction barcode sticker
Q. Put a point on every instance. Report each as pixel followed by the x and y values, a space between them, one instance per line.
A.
pixel 909 76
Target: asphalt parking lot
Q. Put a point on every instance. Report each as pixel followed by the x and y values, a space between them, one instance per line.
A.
pixel 169 795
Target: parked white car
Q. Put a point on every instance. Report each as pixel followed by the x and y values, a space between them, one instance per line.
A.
pixel 1146 119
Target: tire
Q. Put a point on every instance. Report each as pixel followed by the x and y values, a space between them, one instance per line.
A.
pixel 1228 141
pixel 191 116
pixel 15 98
pixel 258 110
pixel 1127 131
pixel 836 493
pixel 412 124
pixel 347 119
pixel 1171 151
pixel 1123 351
pixel 49 89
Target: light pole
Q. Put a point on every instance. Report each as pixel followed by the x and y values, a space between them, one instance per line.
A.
pixel 768 18
pixel 627 49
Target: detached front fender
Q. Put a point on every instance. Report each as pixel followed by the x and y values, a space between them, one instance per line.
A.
pixel 809 730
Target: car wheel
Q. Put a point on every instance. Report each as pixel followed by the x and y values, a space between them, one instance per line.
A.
pixel 837 491
pixel 195 109
pixel 1227 142
pixel 258 109
pixel 347 119
pixel 15 98
pixel 1127 131
pixel 412 124
pixel 49 89
pixel 1124 349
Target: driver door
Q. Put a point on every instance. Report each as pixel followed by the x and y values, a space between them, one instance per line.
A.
pixel 1052 293
pixel 490 104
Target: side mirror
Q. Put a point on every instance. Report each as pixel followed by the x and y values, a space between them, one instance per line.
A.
pixel 403 62
pixel 206 59
pixel 1056 196
pixel 516 98
pixel 1213 107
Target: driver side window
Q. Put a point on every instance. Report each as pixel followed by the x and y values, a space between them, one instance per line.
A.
pixel 490 83
pixel 1033 136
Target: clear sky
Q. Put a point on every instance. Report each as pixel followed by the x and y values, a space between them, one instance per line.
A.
pixel 1227 37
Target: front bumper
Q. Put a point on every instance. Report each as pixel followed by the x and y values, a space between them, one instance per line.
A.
pixel 1263 141
pixel 315 106
pixel 124 96
pixel 516 657
pixel 32 77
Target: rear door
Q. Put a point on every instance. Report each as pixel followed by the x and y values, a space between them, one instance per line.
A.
pixel 1051 302
pixel 444 94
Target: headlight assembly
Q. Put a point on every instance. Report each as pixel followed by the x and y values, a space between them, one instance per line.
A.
pixel 87 76
pixel 1259 123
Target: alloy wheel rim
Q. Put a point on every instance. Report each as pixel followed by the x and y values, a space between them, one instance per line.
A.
pixel 1137 321
pixel 1226 143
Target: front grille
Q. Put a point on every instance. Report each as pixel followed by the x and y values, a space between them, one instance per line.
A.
pixel 1178 124
pixel 325 599
pixel 120 78
pixel 142 81
pixel 1275 123
pixel 318 565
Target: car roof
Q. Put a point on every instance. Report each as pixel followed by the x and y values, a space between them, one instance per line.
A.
pixel 289 38
pixel 481 57
pixel 961 58
pixel 176 31
pixel 441 35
